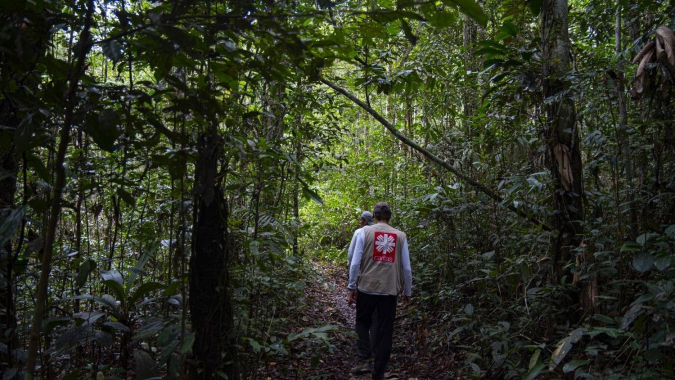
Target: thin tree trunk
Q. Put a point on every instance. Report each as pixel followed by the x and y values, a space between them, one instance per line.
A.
pixel 60 182
pixel 624 139
pixel 562 136
pixel 296 194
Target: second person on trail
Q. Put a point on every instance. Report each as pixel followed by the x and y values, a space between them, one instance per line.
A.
pixel 381 264
pixel 366 219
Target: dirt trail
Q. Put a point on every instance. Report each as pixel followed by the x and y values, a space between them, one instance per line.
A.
pixel 327 300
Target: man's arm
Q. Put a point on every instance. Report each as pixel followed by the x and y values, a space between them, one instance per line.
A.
pixel 407 270
pixel 350 250
pixel 355 267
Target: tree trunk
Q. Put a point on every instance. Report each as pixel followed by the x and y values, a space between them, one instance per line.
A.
pixel 562 136
pixel 624 140
pixel 210 304
pixel 9 168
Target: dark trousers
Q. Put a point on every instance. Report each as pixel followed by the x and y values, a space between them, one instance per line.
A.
pixel 384 309
pixel 365 355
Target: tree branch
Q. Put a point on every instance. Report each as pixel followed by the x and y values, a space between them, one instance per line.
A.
pixel 479 186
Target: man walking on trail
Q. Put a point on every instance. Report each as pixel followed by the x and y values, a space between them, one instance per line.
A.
pixel 381 263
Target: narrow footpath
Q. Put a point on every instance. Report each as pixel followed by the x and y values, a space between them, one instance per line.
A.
pixel 410 359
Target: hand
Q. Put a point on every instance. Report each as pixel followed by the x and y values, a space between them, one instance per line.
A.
pixel 351 298
pixel 406 301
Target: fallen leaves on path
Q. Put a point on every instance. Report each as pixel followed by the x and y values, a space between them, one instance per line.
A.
pixel 326 301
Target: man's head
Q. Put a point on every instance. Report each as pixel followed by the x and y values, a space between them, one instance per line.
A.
pixel 366 219
pixel 382 211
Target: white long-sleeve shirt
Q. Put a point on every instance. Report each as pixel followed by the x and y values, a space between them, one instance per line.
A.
pixel 355 267
pixel 352 245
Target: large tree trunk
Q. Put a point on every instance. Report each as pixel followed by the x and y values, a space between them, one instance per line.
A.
pixel 562 136
pixel 210 304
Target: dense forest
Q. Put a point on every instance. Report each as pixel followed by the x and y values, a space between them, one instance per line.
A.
pixel 180 181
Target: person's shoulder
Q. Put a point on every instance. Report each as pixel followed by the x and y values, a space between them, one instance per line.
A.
pixel 398 232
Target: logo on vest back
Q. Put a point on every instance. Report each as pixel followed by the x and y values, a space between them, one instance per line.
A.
pixel 384 248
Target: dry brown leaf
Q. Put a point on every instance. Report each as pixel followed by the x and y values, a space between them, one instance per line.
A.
pixel 667 38
pixel 642 78
pixel 649 46
pixel 660 51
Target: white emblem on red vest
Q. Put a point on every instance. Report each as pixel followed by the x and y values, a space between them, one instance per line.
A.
pixel 384 248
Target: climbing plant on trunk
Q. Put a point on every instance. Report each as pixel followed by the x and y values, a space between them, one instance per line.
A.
pixel 562 136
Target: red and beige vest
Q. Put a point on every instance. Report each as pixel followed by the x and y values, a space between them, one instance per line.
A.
pixel 381 269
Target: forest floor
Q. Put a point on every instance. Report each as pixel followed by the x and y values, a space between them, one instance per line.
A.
pixel 326 300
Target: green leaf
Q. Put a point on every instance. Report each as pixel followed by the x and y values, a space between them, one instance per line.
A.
pixel 126 196
pixel 565 346
pixel 116 326
pixel 315 360
pixel 507 30
pixel 113 50
pixel 103 129
pixel 35 163
pixel 408 32
pixel 630 246
pixel 24 133
pixel 253 246
pixel 186 346
pixel 171 289
pixel 146 368
pixel 52 322
pixel 255 345
pixel 145 289
pixel 100 300
pixel 441 19
pixel 311 194
pixel 643 262
pixel 142 261
pixel 662 263
pixel 535 358
pixel 113 280
pixel 535 7
pixel 573 365
pixel 534 371
pixel 87 267
pixel 670 231
pixel 468 309
pixel 10 223
pixel 471 9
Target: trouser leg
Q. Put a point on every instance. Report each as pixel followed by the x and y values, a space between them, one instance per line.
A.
pixel 386 312
pixel 365 304
pixel 373 334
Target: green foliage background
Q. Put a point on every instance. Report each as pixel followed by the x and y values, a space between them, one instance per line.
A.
pixel 298 163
